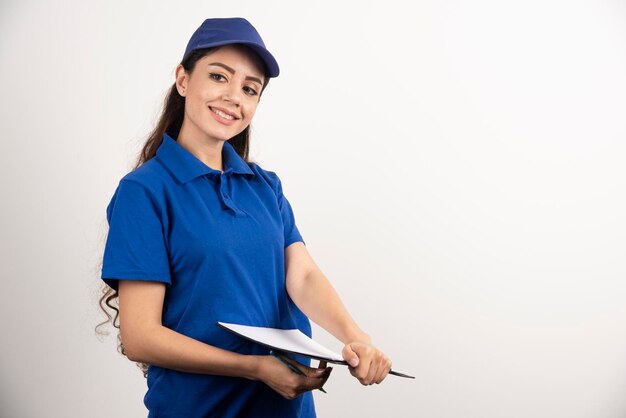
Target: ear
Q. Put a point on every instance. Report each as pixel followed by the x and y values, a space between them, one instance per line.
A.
pixel 182 79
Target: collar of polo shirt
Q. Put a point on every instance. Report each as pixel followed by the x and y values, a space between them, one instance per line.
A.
pixel 185 166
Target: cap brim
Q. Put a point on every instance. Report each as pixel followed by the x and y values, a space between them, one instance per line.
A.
pixel 271 65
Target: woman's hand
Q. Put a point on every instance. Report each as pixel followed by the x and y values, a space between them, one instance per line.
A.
pixel 367 363
pixel 288 384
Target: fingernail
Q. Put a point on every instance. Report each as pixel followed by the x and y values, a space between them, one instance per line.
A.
pixel 353 362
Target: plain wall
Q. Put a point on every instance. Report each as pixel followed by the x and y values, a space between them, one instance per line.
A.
pixel 456 169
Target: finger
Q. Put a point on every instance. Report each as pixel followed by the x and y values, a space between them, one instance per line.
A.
pixel 380 372
pixel 372 372
pixel 350 355
pixel 308 371
pixel 322 364
pixel 362 371
pixel 384 371
pixel 382 375
pixel 311 383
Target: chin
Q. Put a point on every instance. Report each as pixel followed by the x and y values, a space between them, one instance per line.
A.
pixel 219 135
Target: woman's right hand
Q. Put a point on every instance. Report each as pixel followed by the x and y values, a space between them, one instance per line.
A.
pixel 287 383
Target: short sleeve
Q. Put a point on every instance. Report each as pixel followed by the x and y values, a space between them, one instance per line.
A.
pixel 135 247
pixel 292 234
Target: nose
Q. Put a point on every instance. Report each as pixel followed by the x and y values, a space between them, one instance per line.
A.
pixel 232 94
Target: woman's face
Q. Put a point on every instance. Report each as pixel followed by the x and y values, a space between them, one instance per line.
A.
pixel 221 94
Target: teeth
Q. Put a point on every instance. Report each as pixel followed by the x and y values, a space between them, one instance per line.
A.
pixel 222 114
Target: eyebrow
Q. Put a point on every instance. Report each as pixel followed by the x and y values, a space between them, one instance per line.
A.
pixel 230 70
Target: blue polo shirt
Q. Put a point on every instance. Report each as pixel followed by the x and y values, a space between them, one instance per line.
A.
pixel 217 240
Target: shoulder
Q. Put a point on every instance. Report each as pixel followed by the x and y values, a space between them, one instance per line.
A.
pixel 268 176
pixel 149 176
pixel 144 187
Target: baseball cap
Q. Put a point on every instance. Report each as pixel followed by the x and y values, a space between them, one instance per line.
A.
pixel 231 30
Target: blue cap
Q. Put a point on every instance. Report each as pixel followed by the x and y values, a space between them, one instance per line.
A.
pixel 231 30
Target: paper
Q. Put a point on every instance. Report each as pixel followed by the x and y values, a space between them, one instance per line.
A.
pixel 287 340
pixel 290 341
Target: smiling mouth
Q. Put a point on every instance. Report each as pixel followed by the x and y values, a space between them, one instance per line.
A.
pixel 222 114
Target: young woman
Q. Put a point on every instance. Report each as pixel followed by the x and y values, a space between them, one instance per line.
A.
pixel 199 234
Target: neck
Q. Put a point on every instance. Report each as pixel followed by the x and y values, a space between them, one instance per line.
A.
pixel 206 149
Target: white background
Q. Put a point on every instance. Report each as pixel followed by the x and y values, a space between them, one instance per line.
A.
pixel 456 169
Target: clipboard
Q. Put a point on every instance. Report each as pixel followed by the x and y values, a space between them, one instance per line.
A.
pixel 291 341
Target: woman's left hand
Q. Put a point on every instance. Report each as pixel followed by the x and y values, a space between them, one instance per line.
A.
pixel 367 363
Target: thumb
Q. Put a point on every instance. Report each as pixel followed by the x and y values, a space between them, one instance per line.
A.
pixel 350 356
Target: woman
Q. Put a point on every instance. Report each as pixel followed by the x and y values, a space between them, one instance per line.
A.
pixel 198 234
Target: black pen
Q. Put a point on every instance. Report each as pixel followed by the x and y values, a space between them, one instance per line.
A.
pixel 291 366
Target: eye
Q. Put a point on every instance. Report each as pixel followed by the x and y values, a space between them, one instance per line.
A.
pixel 250 91
pixel 217 76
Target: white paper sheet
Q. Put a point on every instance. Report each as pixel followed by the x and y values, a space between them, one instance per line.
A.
pixel 288 340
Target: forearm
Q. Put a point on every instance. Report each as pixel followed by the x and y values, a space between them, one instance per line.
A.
pixel 318 300
pixel 164 347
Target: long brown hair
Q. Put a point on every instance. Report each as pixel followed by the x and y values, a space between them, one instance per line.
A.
pixel 169 122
